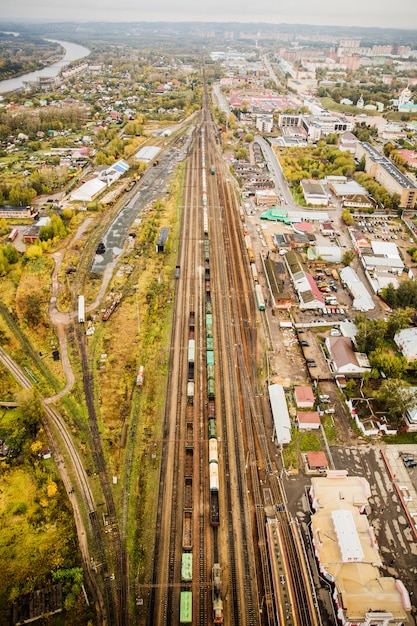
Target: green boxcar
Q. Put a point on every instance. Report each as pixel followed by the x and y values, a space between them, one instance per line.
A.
pixel 210 388
pixel 209 320
pixel 209 343
pixel 208 307
pixel 186 607
pixel 212 432
pixel 210 357
pixel 210 372
pixel 187 567
pixel 206 250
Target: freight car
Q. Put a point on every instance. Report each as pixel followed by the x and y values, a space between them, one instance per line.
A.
pixel 117 300
pixel 259 298
pixel 140 376
pixel 187 567
pixel 187 530
pixel 186 608
pixel 214 508
pixel 216 575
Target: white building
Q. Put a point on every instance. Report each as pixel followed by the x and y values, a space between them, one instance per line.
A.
pixel 362 300
pixel 280 415
pixel 347 552
pixel 264 123
pixel 406 341
pixel 344 360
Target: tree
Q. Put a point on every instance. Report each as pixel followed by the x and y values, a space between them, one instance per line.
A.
pixel 30 412
pixel 347 217
pixel 391 365
pixel 389 294
pixel 348 257
pixel 396 396
pixel 370 335
pixel 399 319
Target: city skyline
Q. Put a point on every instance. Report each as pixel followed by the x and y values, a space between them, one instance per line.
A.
pixel 374 13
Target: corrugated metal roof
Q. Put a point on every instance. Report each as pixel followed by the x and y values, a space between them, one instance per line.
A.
pixel 280 413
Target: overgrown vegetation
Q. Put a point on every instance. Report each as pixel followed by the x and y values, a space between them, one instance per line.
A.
pixel 37 538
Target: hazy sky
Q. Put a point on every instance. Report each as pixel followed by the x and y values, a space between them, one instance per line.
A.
pixel 381 13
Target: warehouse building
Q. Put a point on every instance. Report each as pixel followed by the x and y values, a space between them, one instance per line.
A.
pixel 348 555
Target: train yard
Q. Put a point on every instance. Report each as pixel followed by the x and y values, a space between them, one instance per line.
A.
pixel 226 549
pixel 214 558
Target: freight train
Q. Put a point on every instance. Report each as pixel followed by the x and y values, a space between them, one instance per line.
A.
pixel 211 401
pixel 213 451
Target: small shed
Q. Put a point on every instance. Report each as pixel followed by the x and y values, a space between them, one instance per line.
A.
pixel 162 239
pixel 304 397
pixel 317 461
pixel 308 420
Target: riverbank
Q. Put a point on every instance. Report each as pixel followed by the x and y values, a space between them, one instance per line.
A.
pixel 72 52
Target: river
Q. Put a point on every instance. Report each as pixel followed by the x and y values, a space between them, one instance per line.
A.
pixel 73 52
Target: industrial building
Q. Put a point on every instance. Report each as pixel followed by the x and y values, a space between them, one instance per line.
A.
pixel 348 555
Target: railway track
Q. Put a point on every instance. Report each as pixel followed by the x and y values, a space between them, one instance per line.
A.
pixel 183 429
pixel 55 420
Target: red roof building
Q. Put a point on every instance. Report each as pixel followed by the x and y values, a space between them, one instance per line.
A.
pixel 317 461
pixel 308 420
pixel 304 397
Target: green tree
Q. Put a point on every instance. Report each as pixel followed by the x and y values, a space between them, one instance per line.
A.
pixel 54 230
pixel 389 294
pixel 348 257
pixel 399 319
pixel 30 411
pixel 396 396
pixel 391 365
pixel 347 217
pixel 370 335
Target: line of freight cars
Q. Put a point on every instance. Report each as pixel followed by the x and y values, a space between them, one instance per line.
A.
pixel 217 602
pixel 186 599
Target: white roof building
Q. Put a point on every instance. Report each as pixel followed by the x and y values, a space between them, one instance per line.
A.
pixel 331 254
pixel 348 189
pixel 147 153
pixel 362 300
pixel 385 249
pixel 406 341
pixel 348 555
pixel 88 191
pixel 280 415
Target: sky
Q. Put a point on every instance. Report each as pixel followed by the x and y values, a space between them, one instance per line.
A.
pixel 379 13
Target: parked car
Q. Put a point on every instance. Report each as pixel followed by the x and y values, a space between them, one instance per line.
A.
pixel 305 343
pixel 310 361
